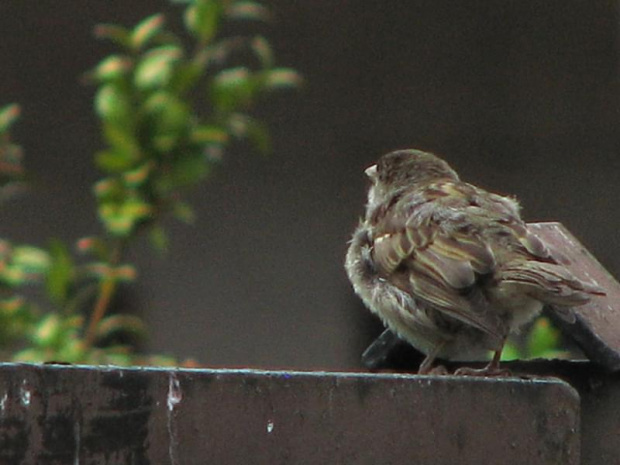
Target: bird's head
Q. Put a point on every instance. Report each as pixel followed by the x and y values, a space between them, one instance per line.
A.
pixel 404 169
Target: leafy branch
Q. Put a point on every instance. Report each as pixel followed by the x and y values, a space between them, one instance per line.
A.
pixel 170 106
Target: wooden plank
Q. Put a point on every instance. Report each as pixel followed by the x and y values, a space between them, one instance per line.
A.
pixel 87 415
pixel 597 329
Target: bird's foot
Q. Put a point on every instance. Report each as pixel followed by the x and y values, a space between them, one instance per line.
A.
pixel 439 370
pixel 487 371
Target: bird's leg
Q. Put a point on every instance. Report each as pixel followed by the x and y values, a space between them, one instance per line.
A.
pixel 427 363
pixel 492 368
pixel 426 367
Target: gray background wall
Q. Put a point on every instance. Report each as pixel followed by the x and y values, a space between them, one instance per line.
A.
pixel 521 97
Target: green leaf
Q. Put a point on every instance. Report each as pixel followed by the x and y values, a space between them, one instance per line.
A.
pixel 168 119
pixel 112 68
pixel 104 271
pixel 16 319
pixel 510 352
pixel 8 116
pixel 54 334
pixel 261 48
pixel 248 10
pixel 280 78
pixel 159 360
pixel 48 331
pixel 188 170
pixel 93 245
pixel 71 351
pixel 113 32
pixel 27 264
pixel 246 127
pixel 122 140
pixel 60 274
pixel 10 307
pixel 113 161
pixel 121 218
pixel 113 106
pixel 5 252
pixel 146 30
pixel 202 19
pixel 11 168
pixel 125 273
pixel 109 190
pixel 259 136
pixel 543 338
pixel 100 270
pixel 159 239
pixel 184 212
pixel 187 74
pixel 232 89
pixel 30 355
pixel 209 134
pixel 221 51
pixel 31 259
pixel 120 324
pixel 138 176
pixel 155 68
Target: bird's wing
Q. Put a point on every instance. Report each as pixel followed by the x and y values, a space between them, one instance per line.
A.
pixel 437 264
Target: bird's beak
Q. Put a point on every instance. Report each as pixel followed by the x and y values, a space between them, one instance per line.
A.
pixel 371 172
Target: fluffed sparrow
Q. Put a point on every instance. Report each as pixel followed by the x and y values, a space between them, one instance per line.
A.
pixel 450 267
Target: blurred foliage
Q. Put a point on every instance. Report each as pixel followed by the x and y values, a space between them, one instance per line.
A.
pixel 543 340
pixel 169 105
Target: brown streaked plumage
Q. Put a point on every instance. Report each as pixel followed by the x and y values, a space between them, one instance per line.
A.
pixel 450 267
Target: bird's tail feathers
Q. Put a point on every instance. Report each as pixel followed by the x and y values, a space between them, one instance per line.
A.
pixel 550 283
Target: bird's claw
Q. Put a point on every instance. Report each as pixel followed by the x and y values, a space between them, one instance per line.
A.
pixel 488 371
pixel 439 370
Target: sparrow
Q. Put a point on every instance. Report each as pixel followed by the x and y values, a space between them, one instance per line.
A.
pixel 449 267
